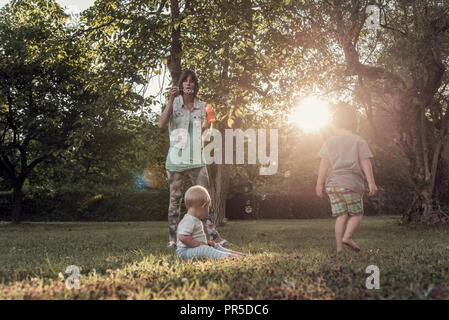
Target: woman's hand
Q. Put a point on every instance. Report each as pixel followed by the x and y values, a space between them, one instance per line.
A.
pixel 174 91
pixel 205 125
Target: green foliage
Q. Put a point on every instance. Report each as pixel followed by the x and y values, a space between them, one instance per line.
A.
pixel 46 85
pixel 69 102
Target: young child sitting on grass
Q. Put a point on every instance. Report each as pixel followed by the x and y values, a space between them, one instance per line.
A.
pixel 343 157
pixel 192 241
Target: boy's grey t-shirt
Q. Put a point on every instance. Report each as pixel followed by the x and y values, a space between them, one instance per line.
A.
pixel 344 152
pixel 190 226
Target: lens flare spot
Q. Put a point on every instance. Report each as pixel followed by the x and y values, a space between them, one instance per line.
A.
pixel 311 114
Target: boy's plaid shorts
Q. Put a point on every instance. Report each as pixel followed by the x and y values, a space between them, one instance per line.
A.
pixel 345 201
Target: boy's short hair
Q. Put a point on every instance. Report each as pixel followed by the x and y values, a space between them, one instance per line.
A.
pixel 196 196
pixel 345 117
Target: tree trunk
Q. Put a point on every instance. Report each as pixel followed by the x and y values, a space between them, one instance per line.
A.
pixel 17 204
pixel 425 208
pixel 219 185
pixel 174 59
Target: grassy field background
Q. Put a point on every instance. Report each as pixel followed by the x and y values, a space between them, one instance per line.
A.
pixel 287 259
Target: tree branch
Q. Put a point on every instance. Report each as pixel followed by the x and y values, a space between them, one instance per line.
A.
pixel 34 163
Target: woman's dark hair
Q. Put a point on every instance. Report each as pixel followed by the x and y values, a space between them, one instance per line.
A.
pixel 184 76
pixel 345 117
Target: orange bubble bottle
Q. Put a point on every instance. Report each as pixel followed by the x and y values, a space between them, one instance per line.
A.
pixel 210 113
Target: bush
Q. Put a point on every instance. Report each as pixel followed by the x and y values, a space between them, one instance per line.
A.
pixel 96 204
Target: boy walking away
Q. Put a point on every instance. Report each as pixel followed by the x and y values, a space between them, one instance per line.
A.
pixel 343 157
pixel 192 241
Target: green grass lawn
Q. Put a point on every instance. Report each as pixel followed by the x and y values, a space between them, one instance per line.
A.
pixel 287 259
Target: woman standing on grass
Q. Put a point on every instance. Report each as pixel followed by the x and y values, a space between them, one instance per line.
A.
pixel 186 118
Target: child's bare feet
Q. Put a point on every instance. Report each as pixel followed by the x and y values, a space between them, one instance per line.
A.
pixel 351 244
pixel 240 254
pixel 234 255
